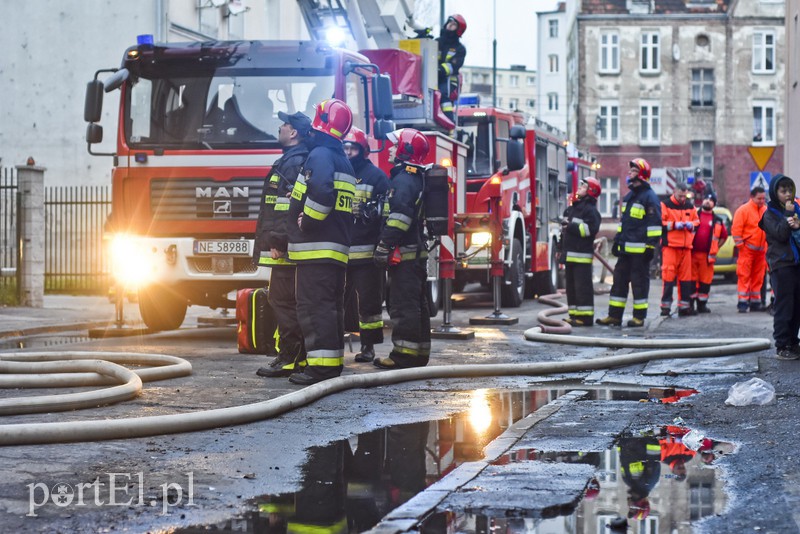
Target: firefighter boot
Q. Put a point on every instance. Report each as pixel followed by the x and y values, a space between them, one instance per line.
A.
pixel 367 353
pixel 276 368
pixel 579 321
pixel 636 322
pixel 664 311
pixel 702 307
pixel 609 321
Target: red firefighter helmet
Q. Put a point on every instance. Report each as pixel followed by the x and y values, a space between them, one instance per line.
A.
pixel 639 509
pixel 460 20
pixel 643 167
pixel 356 136
pixel 333 117
pixel 594 188
pixel 412 146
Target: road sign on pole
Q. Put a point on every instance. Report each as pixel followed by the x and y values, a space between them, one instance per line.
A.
pixel 760 179
pixel 761 155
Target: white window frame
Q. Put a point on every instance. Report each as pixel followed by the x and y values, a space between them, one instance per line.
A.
pixel 704 83
pixel 513 80
pixel 608 57
pixel 553 28
pixel 530 102
pixel 609 113
pixel 702 154
pixel 650 52
pixel 609 195
pixel 764 122
pixel 552 61
pixel 649 123
pixel 763 51
pixel 552 101
pixel 530 81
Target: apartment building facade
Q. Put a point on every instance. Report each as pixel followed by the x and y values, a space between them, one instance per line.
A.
pixel 683 83
pixel 516 87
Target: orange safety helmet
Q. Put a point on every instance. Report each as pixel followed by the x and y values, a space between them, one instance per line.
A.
pixel 460 20
pixel 333 117
pixel 643 167
pixel 412 146
pixel 356 136
pixel 594 188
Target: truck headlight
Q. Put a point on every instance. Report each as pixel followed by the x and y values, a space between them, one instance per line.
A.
pixel 133 263
pixel 480 239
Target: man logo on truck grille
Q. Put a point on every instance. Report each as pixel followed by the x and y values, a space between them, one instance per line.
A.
pixel 222 207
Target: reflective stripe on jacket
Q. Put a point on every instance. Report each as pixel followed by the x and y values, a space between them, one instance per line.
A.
pixel 745 230
pixel 640 224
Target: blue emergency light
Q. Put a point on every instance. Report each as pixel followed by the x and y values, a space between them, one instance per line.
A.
pixel 145 39
pixel 469 100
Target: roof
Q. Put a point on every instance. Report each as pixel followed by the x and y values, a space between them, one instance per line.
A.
pixel 663 7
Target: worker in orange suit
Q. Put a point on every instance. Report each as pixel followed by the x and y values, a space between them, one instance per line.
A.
pixel 751 243
pixel 680 220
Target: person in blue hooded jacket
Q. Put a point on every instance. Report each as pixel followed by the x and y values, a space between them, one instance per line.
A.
pixel 781 225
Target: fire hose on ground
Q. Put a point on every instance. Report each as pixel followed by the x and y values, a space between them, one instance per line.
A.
pixel 90 372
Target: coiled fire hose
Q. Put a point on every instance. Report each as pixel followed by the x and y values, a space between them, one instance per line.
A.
pixel 134 427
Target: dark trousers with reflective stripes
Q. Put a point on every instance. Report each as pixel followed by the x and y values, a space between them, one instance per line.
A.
pixel 580 291
pixel 365 282
pixel 320 309
pixel 785 324
pixel 408 308
pixel 284 304
pixel 631 270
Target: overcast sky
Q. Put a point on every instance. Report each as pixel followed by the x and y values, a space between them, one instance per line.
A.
pixel 516 28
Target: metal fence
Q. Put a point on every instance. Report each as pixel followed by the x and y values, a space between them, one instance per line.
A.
pixel 75 255
pixel 8 235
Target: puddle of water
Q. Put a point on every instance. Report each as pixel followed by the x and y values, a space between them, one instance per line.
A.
pixel 650 480
pixel 39 342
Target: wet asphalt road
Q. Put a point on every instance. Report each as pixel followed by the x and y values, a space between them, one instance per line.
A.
pixel 226 467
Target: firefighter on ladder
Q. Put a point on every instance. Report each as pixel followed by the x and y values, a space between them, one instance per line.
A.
pixel 451 59
pixel 680 221
pixel 364 278
pixel 272 242
pixel 319 243
pixel 402 248
pixel 638 233
pixel 579 228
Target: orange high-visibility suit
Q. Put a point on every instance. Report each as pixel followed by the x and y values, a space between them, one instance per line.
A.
pixel 751 243
pixel 680 221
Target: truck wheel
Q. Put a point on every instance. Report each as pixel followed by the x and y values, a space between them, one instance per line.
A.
pixel 558 277
pixel 511 295
pixel 161 310
pixel 434 296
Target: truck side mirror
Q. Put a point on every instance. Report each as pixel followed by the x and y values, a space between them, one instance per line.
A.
pixel 382 97
pixel 517 132
pixel 515 155
pixel 94 133
pixel 93 105
pixel 382 128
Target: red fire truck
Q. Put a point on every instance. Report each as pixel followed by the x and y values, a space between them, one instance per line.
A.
pixel 196 135
pixel 529 164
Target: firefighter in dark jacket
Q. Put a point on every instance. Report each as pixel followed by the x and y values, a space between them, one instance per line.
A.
pixel 451 59
pixel 364 278
pixel 271 241
pixel 321 221
pixel 579 228
pixel 402 248
pixel 638 234
pixel 640 467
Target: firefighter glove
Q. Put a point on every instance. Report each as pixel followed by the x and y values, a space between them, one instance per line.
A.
pixel 648 253
pixel 381 255
pixel 615 250
pixel 679 225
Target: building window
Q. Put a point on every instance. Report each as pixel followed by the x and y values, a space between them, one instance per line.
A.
pixel 649 52
pixel 552 101
pixel 530 81
pixel 235 27
pixel 553 27
pixel 609 52
pixel 763 123
pixel 764 51
pixel 499 80
pixel 513 103
pixel 608 202
pixel 513 80
pixel 703 158
pixel 477 77
pixel 531 102
pixel 500 101
pixel 701 500
pixel 485 78
pixel 208 21
pixel 650 123
pixel 702 87
pixel 607 126
pixel 553 59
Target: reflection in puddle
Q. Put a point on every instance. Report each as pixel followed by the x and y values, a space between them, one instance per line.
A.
pixel 38 342
pixel 650 481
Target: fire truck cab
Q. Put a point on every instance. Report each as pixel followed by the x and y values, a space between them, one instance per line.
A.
pixel 196 135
